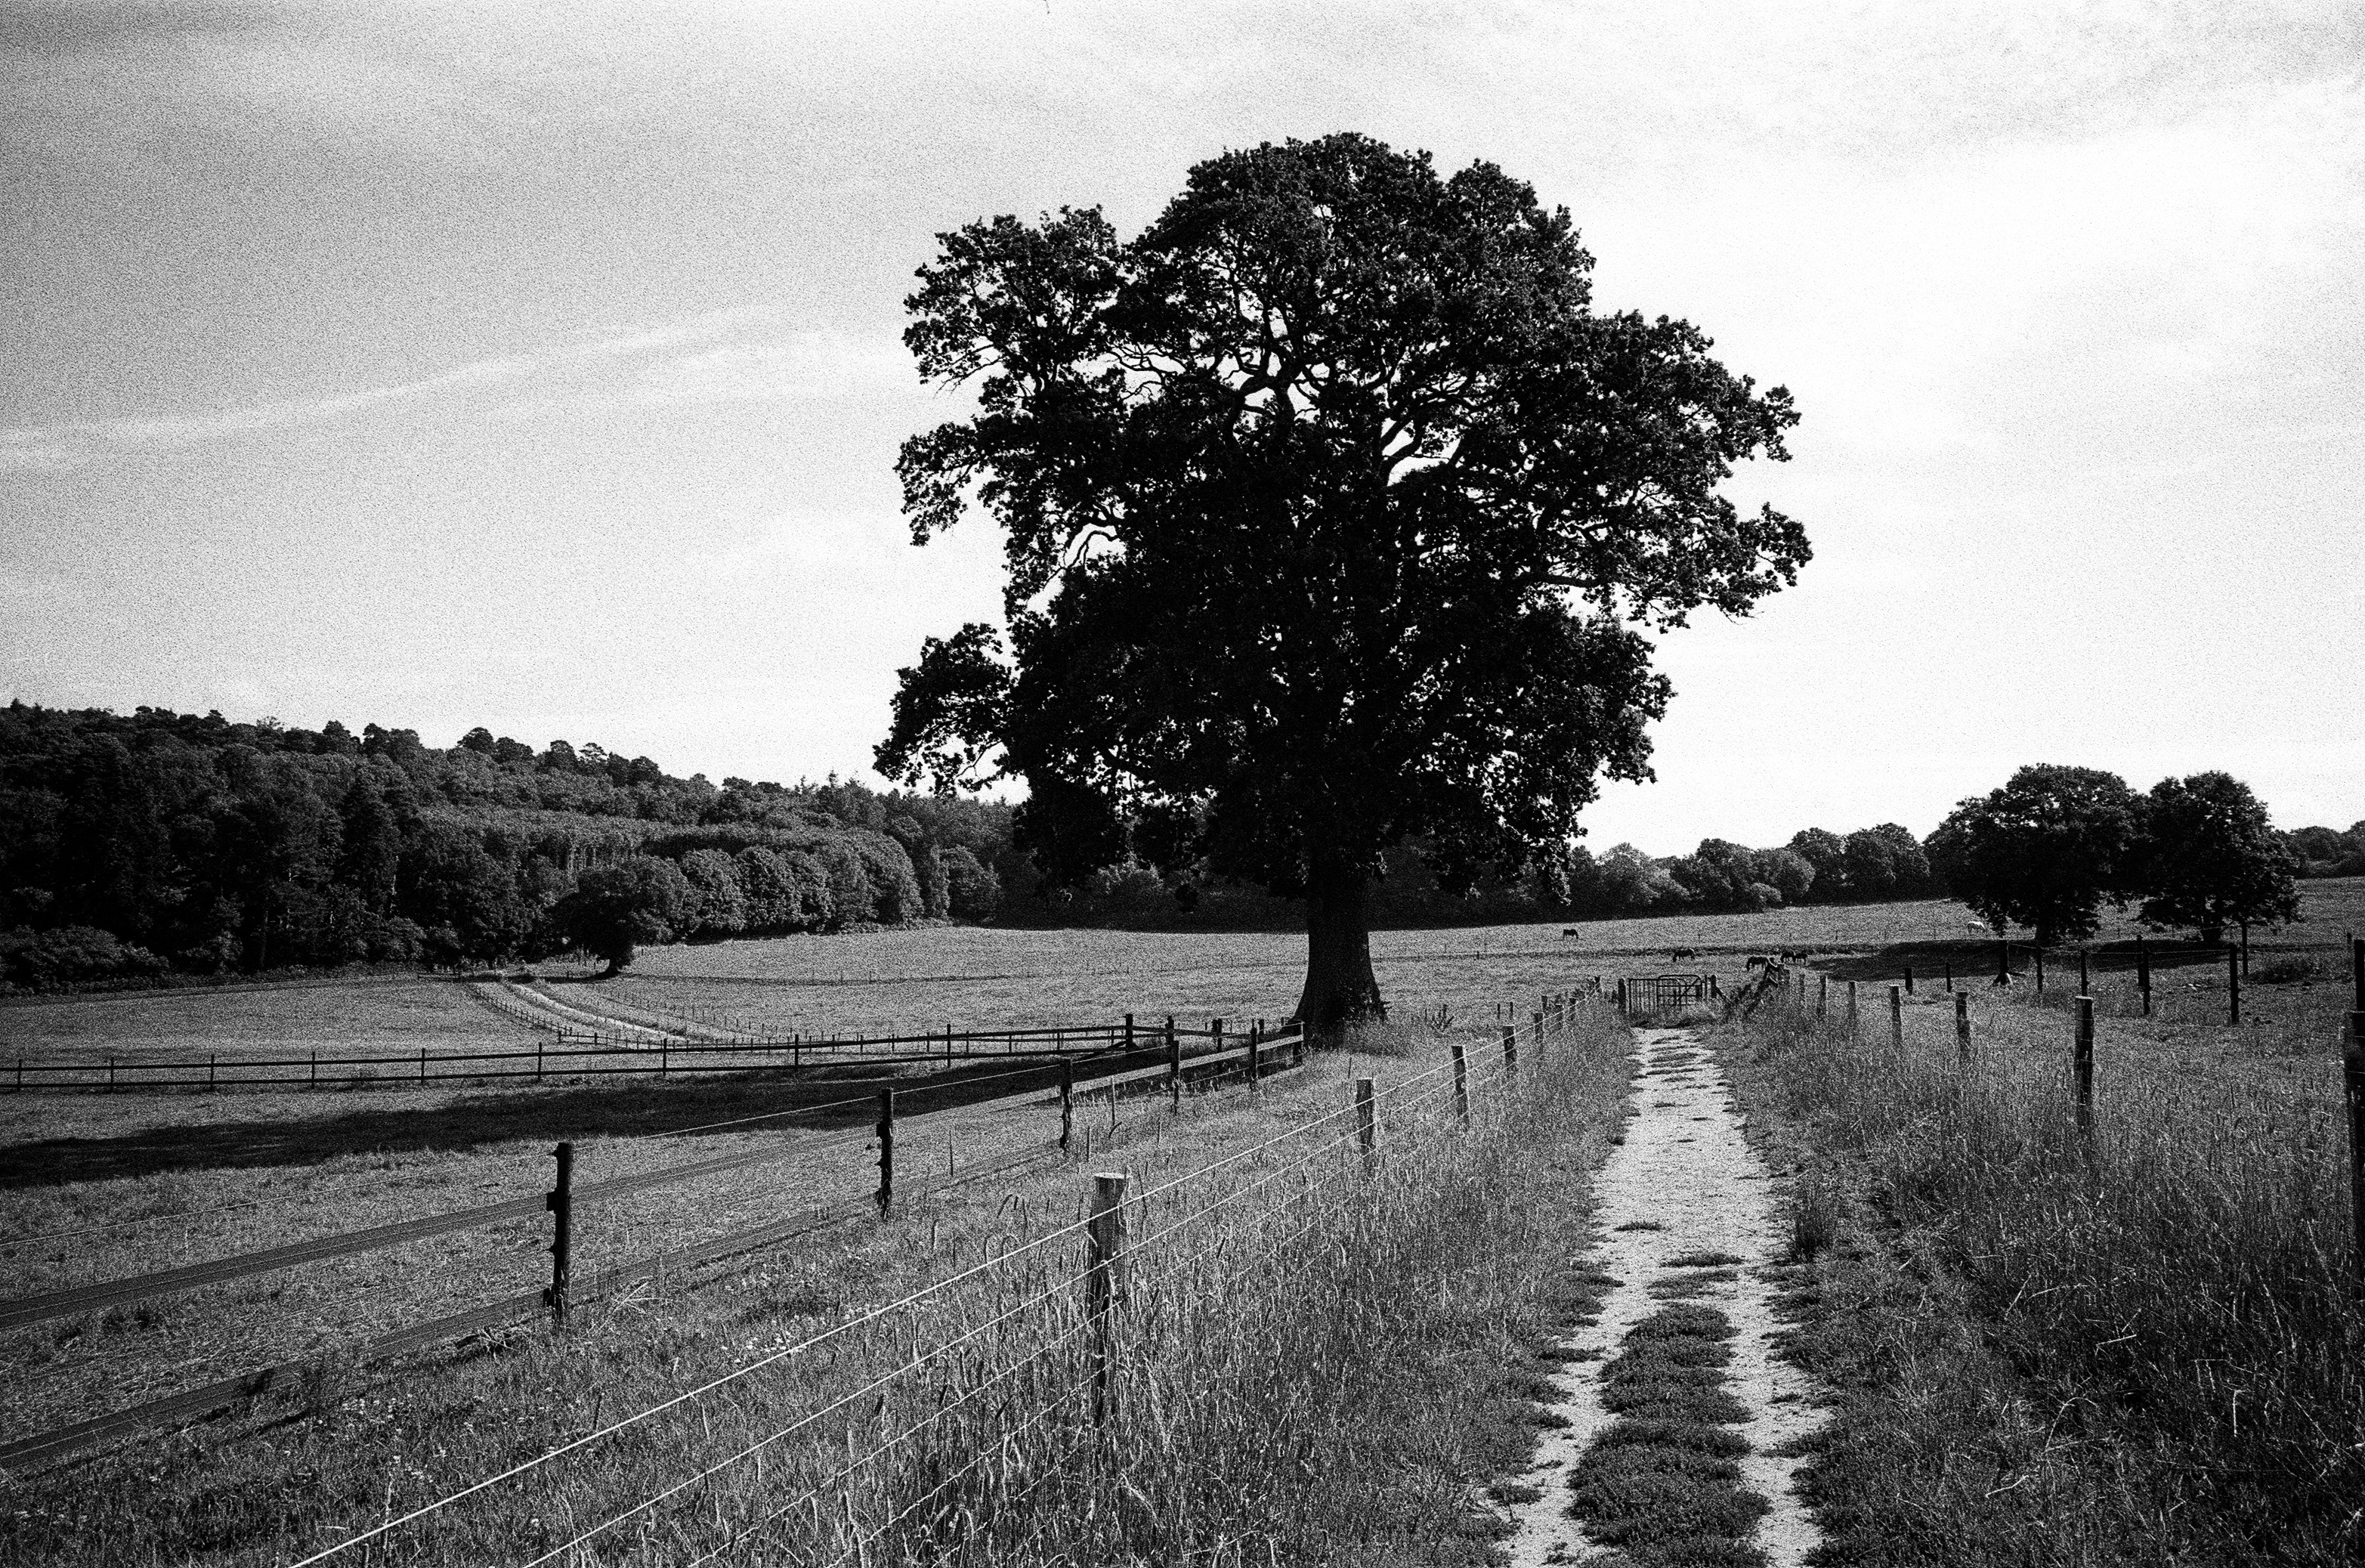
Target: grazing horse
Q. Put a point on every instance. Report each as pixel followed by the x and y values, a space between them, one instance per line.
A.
pixel 1678 954
pixel 1568 930
pixel 1759 961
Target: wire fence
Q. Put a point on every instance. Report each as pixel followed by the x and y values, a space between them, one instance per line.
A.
pixel 911 1431
pixel 1002 1142
pixel 624 1049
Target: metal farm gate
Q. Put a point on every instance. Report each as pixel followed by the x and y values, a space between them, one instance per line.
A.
pixel 1654 992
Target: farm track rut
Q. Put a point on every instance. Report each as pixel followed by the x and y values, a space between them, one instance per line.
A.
pixel 1684 1184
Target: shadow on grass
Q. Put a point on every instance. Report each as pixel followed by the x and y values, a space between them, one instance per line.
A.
pixel 1973 963
pixel 350 1122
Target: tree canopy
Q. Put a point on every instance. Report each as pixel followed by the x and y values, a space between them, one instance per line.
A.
pixel 2210 858
pixel 1335 515
pixel 2044 851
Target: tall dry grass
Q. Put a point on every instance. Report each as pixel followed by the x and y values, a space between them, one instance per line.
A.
pixel 1315 1358
pixel 2179 1283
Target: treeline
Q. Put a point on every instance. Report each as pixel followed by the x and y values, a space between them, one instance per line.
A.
pixel 132 847
pixel 2328 852
pixel 135 848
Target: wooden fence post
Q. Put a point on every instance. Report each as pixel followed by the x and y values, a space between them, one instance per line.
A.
pixel 1252 1057
pixel 1367 1124
pixel 1461 1087
pixel 1128 1031
pixel 1510 1050
pixel 1896 1018
pixel 1963 1022
pixel 560 1201
pixel 1909 980
pixel 2352 1078
pixel 2233 986
pixel 1853 1026
pixel 1067 1100
pixel 2085 982
pixel 1822 996
pixel 1950 975
pixel 1105 1283
pixel 1174 1065
pixel 2083 1066
pixel 886 1150
pixel 2143 974
pixel 316 1067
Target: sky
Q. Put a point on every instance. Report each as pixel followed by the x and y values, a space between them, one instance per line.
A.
pixel 437 365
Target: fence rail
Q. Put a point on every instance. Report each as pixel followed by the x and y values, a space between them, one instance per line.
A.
pixel 585 1054
pixel 1042 1349
pixel 1257 1057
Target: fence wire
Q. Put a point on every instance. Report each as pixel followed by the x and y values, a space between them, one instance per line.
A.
pixel 1022 1385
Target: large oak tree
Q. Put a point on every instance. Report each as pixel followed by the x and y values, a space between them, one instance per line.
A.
pixel 1335 516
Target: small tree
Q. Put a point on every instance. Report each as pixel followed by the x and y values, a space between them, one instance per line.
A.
pixel 2044 851
pixel 2210 858
pixel 617 908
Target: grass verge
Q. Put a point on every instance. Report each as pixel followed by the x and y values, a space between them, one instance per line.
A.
pixel 2136 1347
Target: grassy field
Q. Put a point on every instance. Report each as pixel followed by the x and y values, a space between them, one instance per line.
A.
pixel 883 981
pixel 377 1017
pixel 1334 1366
pixel 2139 1345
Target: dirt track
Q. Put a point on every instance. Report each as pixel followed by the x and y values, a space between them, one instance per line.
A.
pixel 1684 1184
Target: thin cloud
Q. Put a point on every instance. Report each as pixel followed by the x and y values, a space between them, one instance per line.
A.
pixel 50 451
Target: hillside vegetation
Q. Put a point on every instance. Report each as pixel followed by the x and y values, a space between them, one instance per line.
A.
pixel 134 850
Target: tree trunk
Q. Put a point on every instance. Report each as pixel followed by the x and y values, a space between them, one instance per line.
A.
pixel 1340 986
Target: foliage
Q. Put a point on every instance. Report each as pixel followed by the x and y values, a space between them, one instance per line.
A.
pixel 70 954
pixel 617 908
pixel 2044 851
pixel 1332 509
pixel 224 847
pixel 2210 859
pixel 2328 852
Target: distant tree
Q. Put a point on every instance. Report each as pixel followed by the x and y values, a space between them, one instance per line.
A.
pixel 971 889
pixel 2328 852
pixel 619 908
pixel 1332 510
pixel 2209 858
pixel 718 903
pixel 478 739
pixel 770 889
pixel 1910 876
pixel 1827 852
pixel 370 857
pixel 2044 851
pixel 1630 882
pixel 1788 873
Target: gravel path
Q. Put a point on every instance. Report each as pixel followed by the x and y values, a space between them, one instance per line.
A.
pixel 1683 1185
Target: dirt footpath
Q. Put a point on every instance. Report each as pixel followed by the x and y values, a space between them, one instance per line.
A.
pixel 1686 1213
